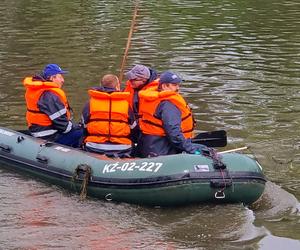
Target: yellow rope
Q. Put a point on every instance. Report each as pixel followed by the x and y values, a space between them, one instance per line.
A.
pixel 86 178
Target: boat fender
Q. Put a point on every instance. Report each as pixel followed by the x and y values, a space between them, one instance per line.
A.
pixel 5 148
pixel 84 171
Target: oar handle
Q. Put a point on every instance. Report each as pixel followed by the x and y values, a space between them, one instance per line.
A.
pixel 233 150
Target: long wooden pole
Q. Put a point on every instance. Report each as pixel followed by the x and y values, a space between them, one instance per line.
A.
pixel 128 42
pixel 233 150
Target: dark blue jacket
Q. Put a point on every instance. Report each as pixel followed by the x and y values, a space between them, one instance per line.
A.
pixel 174 142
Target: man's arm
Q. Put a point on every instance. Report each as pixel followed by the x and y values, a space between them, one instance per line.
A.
pixel 171 118
pixel 134 128
pixel 85 115
pixel 50 104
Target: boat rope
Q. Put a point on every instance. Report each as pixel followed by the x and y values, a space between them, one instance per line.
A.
pixel 220 193
pixel 218 164
pixel 226 182
pixel 85 180
pixel 217 159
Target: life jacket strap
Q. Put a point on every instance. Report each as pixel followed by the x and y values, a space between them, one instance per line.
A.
pixel 152 123
pixel 108 135
pixel 106 120
pixel 35 111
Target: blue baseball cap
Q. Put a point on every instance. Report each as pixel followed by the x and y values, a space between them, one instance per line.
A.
pixel 169 77
pixel 52 69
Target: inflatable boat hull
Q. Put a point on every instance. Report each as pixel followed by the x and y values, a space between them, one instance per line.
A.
pixel 159 181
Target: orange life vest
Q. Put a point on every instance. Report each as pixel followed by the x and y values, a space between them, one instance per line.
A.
pixel 34 90
pixel 150 86
pixel 149 101
pixel 108 117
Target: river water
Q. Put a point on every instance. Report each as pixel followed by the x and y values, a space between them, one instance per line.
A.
pixel 241 65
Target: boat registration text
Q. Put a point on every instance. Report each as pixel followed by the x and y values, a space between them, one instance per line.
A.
pixel 132 166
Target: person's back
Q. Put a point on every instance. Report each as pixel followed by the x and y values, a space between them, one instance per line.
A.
pixel 48 112
pixel 166 120
pixel 108 119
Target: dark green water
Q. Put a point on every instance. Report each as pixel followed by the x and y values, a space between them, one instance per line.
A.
pixel 240 61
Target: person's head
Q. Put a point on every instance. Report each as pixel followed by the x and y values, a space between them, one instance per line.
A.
pixel 169 81
pixel 138 75
pixel 109 81
pixel 52 72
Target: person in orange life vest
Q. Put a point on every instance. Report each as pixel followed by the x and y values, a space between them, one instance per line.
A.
pixel 108 119
pixel 166 120
pixel 139 78
pixel 48 112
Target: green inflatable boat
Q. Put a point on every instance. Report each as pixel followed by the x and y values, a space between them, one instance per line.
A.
pixel 159 181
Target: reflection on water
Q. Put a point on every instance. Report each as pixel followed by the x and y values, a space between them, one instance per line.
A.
pixel 43 216
pixel 240 62
pixel 281 161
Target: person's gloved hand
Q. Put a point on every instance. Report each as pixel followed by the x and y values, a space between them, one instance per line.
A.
pixel 206 151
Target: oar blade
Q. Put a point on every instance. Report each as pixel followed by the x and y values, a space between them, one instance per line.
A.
pixel 212 134
pixel 216 138
pixel 211 142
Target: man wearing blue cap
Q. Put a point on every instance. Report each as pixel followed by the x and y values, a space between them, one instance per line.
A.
pixel 166 120
pixel 48 112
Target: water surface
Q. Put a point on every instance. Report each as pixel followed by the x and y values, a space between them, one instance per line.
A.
pixel 240 62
